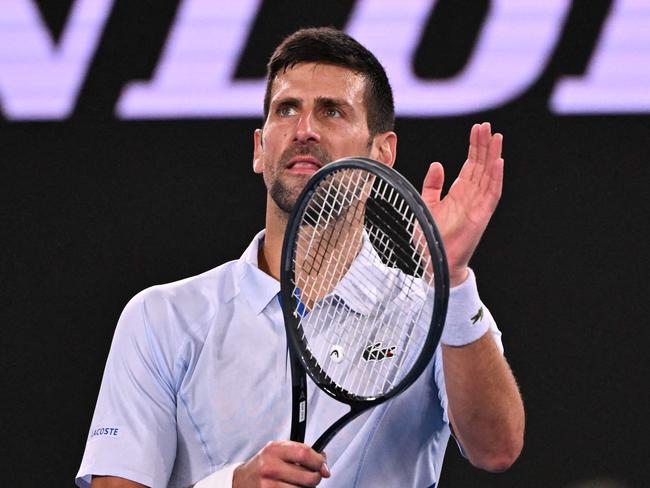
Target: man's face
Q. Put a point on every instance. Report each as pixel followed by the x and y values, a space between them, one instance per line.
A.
pixel 316 115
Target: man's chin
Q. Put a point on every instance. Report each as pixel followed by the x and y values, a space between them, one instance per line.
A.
pixel 285 199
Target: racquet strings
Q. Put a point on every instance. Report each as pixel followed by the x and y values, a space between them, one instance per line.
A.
pixel 362 284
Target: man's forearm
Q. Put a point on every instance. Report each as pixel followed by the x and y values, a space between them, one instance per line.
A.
pixel 485 407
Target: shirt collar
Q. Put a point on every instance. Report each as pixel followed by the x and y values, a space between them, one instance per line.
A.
pixel 363 297
pixel 258 288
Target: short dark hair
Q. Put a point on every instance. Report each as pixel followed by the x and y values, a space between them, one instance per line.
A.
pixel 331 46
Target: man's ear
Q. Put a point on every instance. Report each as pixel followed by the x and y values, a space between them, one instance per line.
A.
pixel 258 166
pixel 384 148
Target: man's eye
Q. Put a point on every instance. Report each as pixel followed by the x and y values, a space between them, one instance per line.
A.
pixel 286 111
pixel 332 112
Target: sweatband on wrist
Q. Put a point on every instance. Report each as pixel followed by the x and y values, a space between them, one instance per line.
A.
pixel 467 319
pixel 219 479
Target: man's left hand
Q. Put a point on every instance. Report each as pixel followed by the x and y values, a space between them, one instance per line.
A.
pixel 463 214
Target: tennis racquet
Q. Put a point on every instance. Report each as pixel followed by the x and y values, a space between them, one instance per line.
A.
pixel 364 288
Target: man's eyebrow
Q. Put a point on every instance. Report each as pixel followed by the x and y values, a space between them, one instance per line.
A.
pixel 287 101
pixel 332 102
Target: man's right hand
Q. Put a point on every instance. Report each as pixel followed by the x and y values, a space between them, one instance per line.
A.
pixel 282 464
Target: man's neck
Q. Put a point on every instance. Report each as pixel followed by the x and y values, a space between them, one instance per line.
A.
pixel 270 249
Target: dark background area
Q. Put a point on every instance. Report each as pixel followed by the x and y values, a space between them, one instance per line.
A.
pixel 94 209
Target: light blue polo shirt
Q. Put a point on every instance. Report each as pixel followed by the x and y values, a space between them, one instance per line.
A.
pixel 197 378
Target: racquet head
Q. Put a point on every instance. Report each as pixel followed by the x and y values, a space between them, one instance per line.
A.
pixel 364 281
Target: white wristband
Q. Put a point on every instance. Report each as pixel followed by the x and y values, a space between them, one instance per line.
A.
pixel 467 319
pixel 219 479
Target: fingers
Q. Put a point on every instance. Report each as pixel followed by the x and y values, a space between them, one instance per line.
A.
pixel 295 452
pixel 302 465
pixel 484 137
pixel 494 149
pixel 496 179
pixel 432 185
pixel 282 463
pixel 473 142
pixel 484 151
pixel 467 171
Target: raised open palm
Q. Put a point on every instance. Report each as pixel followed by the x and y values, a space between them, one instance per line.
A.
pixel 463 214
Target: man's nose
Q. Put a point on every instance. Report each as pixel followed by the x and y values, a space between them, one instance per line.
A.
pixel 307 130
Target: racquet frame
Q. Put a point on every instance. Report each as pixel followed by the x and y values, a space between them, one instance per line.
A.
pixel 297 350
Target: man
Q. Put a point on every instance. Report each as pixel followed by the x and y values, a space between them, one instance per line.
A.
pixel 197 386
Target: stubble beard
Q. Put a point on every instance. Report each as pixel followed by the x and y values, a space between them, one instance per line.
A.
pixel 284 194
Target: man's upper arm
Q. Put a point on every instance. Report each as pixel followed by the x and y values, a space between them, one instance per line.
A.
pixel 133 431
pixel 114 482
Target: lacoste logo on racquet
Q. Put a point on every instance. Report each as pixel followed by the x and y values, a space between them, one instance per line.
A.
pixel 375 352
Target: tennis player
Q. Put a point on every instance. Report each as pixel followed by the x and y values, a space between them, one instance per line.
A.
pixel 197 386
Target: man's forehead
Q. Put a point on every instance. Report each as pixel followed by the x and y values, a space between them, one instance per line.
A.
pixel 319 80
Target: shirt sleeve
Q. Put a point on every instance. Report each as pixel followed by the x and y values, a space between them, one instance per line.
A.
pixel 133 431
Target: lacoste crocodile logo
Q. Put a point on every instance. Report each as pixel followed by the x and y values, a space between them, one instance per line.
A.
pixel 375 352
pixel 478 316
